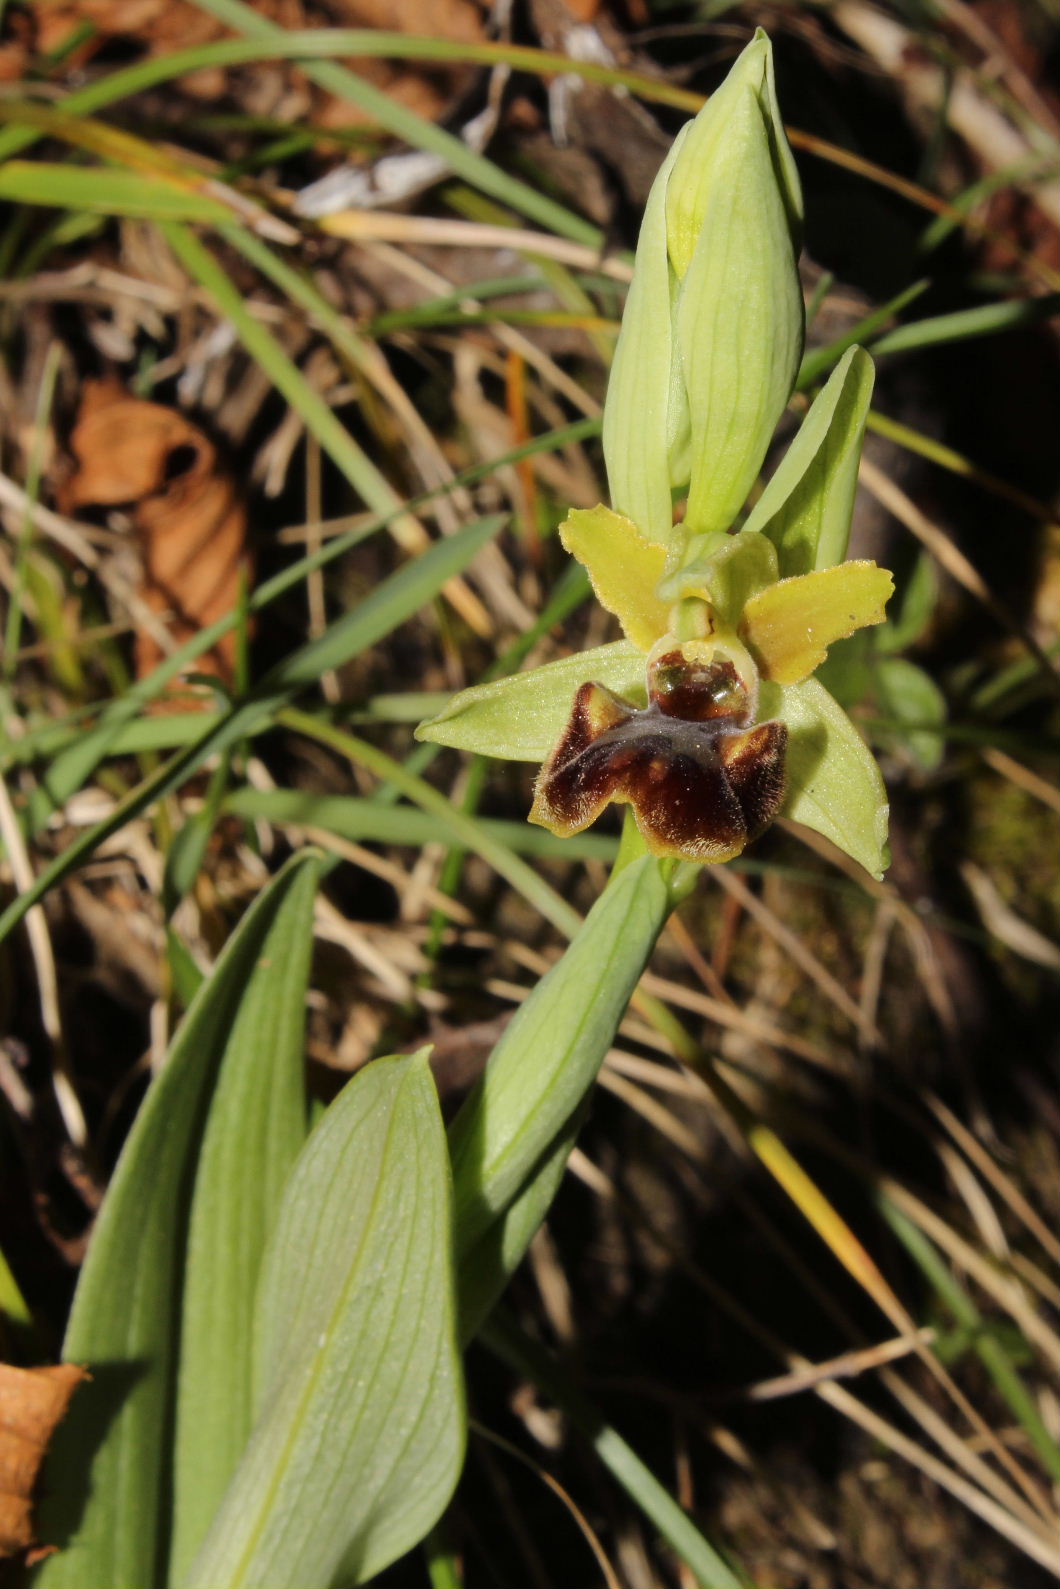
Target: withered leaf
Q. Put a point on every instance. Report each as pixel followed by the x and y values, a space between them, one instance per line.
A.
pixel 32 1402
pixel 188 515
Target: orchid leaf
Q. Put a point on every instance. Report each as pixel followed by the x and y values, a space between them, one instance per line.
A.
pixel 624 568
pixel 520 718
pixel 550 1053
pixel 107 1499
pixel 806 508
pixel 360 1427
pixel 834 784
pixel 789 626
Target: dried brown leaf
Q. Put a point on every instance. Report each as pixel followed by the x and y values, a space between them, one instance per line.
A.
pixel 189 517
pixel 32 1402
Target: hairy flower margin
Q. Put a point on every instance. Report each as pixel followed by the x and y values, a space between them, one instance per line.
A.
pixel 706 718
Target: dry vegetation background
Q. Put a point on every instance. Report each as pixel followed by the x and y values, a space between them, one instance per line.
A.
pixel 849 1378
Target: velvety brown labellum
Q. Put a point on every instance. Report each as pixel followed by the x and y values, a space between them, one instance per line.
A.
pixel 701 783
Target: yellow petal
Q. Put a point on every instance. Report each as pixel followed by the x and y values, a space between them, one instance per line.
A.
pixel 624 568
pixel 789 627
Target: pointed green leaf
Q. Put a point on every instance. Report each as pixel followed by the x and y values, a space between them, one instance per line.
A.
pixel 105 1499
pixel 254 1133
pixel 551 1051
pixel 834 784
pixel 806 508
pixel 521 718
pixel 360 1429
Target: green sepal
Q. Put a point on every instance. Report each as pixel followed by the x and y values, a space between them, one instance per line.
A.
pixel 639 413
pixel 739 320
pixel 521 718
pixel 834 785
pixel 806 508
pixel 713 326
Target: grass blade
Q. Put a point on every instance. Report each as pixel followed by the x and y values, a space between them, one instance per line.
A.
pixel 370 822
pixel 514 1347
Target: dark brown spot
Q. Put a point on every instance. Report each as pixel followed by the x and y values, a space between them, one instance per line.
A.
pixel 700 787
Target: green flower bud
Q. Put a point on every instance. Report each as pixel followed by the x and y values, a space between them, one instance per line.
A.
pixel 713 329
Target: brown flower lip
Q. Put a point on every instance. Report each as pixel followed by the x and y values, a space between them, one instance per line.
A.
pixel 702 783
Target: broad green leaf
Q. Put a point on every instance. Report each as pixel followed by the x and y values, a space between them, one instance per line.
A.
pixel 807 506
pixel 105 192
pixel 789 626
pixel 834 784
pixel 254 1132
pixel 369 821
pixel 624 568
pixel 360 1427
pixel 521 718
pixel 551 1051
pixel 105 1500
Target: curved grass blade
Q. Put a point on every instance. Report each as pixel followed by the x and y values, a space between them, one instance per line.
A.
pixel 421 134
pixel 361 1424
pixel 317 416
pixel 105 1504
pixel 98 191
pixel 364 821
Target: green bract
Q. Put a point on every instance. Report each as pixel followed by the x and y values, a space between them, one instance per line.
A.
pixel 713 328
pixel 723 626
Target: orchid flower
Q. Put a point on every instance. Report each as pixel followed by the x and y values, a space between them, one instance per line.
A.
pixel 706 718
